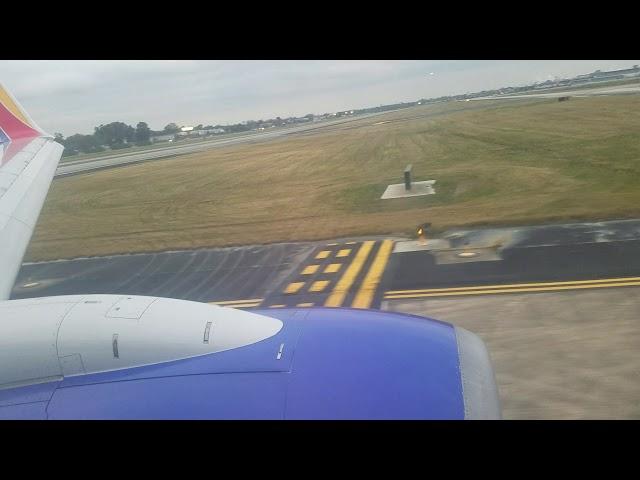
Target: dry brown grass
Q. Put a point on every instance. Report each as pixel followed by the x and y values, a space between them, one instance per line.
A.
pixel 495 163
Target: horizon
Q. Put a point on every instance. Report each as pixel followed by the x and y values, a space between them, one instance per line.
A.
pixel 70 97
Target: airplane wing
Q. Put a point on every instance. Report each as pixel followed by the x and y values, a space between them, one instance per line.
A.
pixel 28 161
pixel 132 357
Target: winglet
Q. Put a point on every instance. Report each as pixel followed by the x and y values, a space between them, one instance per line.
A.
pixel 15 123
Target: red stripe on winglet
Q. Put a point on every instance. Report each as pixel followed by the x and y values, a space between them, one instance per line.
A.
pixel 13 127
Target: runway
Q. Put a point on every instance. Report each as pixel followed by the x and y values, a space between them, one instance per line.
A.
pixel 74 167
pixel 586 92
pixel 557 305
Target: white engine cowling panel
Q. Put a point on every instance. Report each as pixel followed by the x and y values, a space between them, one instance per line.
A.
pixel 49 338
pixel 167 330
pixel 28 331
pixel 130 307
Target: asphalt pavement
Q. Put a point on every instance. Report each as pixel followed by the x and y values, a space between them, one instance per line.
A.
pixel 557 305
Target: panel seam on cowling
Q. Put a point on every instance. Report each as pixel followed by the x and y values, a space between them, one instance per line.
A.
pixel 303 315
pixel 62 387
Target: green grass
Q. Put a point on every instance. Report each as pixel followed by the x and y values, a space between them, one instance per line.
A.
pixel 495 163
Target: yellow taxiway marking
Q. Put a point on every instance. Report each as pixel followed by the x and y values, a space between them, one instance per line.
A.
pixel 234 302
pixel 469 291
pixel 305 305
pixel 344 284
pixel 280 305
pixel 364 297
pixel 344 252
pixel 293 287
pixel 239 305
pixel 318 286
pixel 310 269
pixel 516 285
pixel 332 268
pixel 323 254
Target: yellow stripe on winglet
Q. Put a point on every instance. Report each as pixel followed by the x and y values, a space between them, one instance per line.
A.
pixel 10 105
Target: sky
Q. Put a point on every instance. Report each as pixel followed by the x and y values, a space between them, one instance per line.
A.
pixel 73 96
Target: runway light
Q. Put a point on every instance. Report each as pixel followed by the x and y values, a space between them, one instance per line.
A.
pixel 467 254
pixel 422 233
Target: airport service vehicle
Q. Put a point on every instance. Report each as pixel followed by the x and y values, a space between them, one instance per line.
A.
pixel 136 357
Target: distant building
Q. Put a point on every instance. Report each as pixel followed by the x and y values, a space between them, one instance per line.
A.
pixel 599 76
pixel 190 132
pixel 627 72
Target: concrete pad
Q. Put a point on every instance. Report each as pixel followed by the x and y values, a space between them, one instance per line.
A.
pixel 466 255
pixel 416 245
pixel 557 355
pixel 443 253
pixel 418 189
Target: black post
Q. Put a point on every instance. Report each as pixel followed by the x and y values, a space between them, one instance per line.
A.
pixel 407 177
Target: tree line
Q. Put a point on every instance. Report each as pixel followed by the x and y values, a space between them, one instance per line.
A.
pixel 118 135
pixel 115 135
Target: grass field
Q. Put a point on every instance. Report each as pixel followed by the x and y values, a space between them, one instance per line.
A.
pixel 517 162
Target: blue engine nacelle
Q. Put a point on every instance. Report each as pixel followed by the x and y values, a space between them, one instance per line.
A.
pixel 317 363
